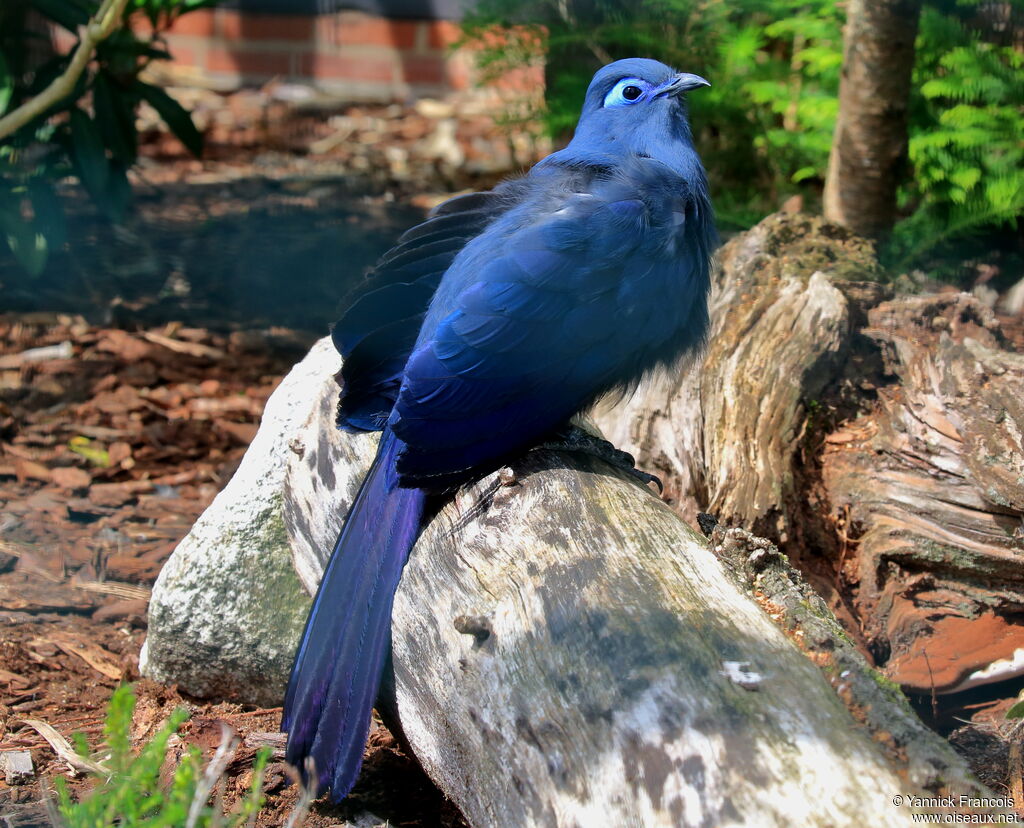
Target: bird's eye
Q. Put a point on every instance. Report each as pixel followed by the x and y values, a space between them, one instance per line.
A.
pixel 626 91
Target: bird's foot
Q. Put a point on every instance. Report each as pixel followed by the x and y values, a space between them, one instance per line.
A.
pixel 574 438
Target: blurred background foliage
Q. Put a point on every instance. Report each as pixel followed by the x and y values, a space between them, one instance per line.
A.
pixel 764 128
pixel 91 133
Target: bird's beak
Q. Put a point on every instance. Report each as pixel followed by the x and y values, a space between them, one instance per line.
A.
pixel 683 82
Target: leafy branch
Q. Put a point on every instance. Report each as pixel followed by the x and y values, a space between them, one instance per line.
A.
pixel 98 29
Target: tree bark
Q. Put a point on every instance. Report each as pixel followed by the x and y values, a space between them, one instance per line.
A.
pixel 878 442
pixel 870 144
pixel 567 651
pixel 928 490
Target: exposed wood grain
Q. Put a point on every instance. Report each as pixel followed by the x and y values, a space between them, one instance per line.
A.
pixel 567 651
pixel 725 434
pixel 930 483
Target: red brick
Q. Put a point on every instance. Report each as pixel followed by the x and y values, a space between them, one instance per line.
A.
pixel 442 34
pixel 460 74
pixel 233 25
pixel 63 41
pixel 181 53
pixel 379 68
pixel 258 63
pixel 141 26
pixel 358 29
pixel 521 79
pixel 199 22
pixel 424 69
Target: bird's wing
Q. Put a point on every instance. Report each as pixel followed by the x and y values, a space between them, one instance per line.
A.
pixel 377 332
pixel 602 286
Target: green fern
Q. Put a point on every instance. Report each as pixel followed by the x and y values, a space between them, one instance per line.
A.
pixel 765 126
pixel 965 140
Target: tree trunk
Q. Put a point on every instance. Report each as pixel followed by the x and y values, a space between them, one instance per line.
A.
pixel 928 489
pixel 870 144
pixel 568 652
pixel 878 442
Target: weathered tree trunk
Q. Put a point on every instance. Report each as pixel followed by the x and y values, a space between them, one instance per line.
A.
pixel 567 651
pixel 724 435
pixel 870 144
pixel 928 487
pixel 879 443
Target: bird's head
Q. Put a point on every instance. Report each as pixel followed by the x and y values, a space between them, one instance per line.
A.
pixel 635 107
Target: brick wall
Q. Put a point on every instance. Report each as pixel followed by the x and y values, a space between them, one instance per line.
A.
pixel 353 54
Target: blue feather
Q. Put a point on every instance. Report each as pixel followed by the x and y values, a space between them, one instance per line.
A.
pixel 338 667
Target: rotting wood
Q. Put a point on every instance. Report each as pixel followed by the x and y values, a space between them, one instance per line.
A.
pixel 567 651
pixel 877 440
pixel 930 486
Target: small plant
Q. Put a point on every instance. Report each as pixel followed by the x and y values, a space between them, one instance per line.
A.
pixel 965 145
pixel 131 792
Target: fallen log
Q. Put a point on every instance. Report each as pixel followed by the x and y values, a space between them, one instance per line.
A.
pixel 928 487
pixel 877 440
pixel 566 649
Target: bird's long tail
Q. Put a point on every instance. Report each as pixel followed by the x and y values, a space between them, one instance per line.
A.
pixel 338 667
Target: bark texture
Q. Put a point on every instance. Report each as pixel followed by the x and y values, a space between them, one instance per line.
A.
pixel 877 440
pixel 870 143
pixel 725 434
pixel 567 651
pixel 928 488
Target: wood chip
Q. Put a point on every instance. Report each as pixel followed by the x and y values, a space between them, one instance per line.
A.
pixel 62 350
pixel 70 477
pixel 190 348
pixel 31 470
pixel 129 592
pixel 93 654
pixel 16 681
pixel 116 494
pixel 134 608
pixel 62 747
pixel 273 739
pixel 243 433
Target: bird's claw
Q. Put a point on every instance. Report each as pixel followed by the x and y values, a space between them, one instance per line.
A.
pixel 574 438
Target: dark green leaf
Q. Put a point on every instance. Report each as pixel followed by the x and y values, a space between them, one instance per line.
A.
pixel 174 115
pixel 119 191
pixel 6 85
pixel 23 238
pixel 68 13
pixel 115 116
pixel 91 162
pixel 1016 712
pixel 49 211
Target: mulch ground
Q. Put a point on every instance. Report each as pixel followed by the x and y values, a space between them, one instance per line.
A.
pixel 111 445
pixel 116 433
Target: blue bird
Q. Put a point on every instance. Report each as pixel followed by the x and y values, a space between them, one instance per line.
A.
pixel 481 333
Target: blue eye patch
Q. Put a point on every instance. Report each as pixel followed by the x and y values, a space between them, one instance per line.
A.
pixel 627 91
